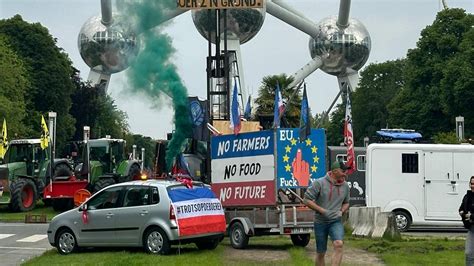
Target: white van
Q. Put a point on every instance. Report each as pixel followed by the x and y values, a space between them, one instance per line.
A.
pixel 423 184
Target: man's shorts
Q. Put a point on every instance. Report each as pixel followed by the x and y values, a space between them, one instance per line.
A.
pixel 335 230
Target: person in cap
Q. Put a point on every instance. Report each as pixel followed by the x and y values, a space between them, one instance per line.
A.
pixel 329 198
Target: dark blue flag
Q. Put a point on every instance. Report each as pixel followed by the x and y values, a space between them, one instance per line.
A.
pixel 235 112
pixel 305 120
pixel 278 108
pixel 248 110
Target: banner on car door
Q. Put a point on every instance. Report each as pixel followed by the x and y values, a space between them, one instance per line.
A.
pixel 197 211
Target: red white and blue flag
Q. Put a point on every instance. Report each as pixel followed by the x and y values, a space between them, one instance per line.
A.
pixel 349 137
pixel 235 123
pixel 197 211
pixel 278 108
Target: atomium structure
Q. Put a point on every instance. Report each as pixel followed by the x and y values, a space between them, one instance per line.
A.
pixel 338 45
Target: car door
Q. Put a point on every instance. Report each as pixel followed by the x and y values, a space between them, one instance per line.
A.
pixel 134 215
pixel 100 228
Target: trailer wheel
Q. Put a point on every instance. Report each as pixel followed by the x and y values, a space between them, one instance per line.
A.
pixel 238 238
pixel 102 183
pixel 300 240
pixel 61 205
pixel 402 220
pixel 208 244
pixel 24 195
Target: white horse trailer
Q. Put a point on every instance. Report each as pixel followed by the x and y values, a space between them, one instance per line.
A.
pixel 423 184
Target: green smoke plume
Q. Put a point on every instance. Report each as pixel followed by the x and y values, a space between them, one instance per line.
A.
pixel 153 73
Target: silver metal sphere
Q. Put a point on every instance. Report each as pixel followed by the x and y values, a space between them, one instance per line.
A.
pixel 341 49
pixel 242 24
pixel 107 50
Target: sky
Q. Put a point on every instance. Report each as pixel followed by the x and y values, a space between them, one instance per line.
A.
pixel 394 27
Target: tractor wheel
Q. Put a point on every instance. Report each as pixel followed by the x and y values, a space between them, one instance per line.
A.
pixel 62 170
pixel 102 183
pixel 23 195
pixel 134 172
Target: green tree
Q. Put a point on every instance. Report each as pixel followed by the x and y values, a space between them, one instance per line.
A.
pixel 457 85
pixel 379 84
pixel 13 86
pixel 91 107
pixel 50 74
pixel 446 138
pixel 335 129
pixel 292 100
pixel 424 103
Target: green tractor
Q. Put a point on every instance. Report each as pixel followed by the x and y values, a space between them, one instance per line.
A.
pixel 108 164
pixel 24 172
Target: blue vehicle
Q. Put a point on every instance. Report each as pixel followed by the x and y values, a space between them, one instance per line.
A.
pixel 397 136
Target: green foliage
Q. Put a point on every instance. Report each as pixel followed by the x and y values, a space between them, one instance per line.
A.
pixel 91 107
pixel 445 138
pixel 292 100
pixel 13 87
pixel 378 85
pixel 438 77
pixel 335 130
pixel 49 71
pixel 321 120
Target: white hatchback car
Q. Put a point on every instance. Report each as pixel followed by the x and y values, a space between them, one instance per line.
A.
pixel 153 214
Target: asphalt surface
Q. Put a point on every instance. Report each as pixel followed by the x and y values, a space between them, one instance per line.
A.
pixel 20 242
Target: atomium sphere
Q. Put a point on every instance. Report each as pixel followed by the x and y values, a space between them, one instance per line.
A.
pixel 242 24
pixel 340 49
pixel 109 49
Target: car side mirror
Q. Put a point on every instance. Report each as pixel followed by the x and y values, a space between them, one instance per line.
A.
pixel 83 207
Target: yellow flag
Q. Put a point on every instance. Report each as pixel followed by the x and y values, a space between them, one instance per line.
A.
pixel 3 140
pixel 44 134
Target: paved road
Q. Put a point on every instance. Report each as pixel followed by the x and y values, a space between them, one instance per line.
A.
pixel 20 242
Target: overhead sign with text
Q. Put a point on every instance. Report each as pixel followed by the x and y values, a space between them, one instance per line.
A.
pixel 218 4
pixel 300 162
pixel 243 172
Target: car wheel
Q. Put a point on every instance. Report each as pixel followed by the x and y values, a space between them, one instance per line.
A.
pixel 402 220
pixel 300 240
pixel 66 242
pixel 208 244
pixel 156 242
pixel 238 238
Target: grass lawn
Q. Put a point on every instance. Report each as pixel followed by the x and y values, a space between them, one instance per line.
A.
pixel 8 216
pixel 414 251
pixel 268 250
pixel 186 255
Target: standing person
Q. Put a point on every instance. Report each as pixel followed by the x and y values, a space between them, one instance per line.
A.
pixel 466 210
pixel 329 198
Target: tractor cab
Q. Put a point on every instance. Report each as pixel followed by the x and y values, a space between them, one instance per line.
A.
pixel 27 157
